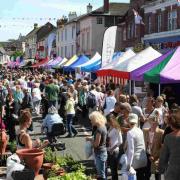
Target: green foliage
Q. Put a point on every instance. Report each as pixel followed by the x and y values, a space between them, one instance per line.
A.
pixel 17 53
pixel 78 175
pixel 12 146
pixel 49 156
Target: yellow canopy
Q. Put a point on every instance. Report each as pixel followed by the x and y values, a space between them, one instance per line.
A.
pixel 71 61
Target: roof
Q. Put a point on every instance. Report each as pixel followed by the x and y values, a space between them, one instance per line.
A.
pixel 115 9
pixel 31 33
pixel 2 50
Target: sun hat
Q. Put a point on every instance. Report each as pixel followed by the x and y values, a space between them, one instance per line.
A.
pixel 133 118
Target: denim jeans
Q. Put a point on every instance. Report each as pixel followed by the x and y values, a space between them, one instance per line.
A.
pixel 71 129
pixel 100 160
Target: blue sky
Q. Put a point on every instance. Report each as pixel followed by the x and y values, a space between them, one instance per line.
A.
pixel 12 12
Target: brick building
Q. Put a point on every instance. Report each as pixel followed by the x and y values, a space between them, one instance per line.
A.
pixel 162 19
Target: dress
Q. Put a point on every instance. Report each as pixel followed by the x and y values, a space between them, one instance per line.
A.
pixel 170 158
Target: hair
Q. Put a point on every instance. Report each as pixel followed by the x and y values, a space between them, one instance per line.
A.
pixel 69 95
pixel 25 116
pixel 52 110
pixel 98 118
pixel 160 98
pixel 175 119
pixel 133 99
pixel 122 98
pixel 112 119
pixel 110 93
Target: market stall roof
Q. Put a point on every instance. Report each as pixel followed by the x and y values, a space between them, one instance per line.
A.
pixel 94 59
pixel 81 60
pixel 123 69
pixel 61 63
pixel 44 61
pixel 54 62
pixel 70 61
pixel 104 71
pixel 167 71
pixel 137 74
pixel 92 67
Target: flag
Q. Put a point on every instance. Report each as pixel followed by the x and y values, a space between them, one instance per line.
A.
pixel 109 43
pixel 138 18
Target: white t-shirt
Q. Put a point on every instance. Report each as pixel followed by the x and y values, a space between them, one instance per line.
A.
pixel 110 102
pixel 36 94
pixel 115 138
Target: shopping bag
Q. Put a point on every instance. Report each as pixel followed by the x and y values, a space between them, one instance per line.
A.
pixel 88 149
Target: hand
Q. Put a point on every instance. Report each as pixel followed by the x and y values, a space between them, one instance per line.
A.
pixel 89 139
pixel 151 158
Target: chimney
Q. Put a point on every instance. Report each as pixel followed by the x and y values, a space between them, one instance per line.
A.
pixel 89 8
pixel 72 15
pixel 35 25
pixel 106 6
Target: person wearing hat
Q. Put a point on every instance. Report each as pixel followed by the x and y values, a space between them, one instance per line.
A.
pixel 153 142
pixel 136 153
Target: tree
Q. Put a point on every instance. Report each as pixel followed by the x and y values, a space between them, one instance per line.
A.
pixel 17 53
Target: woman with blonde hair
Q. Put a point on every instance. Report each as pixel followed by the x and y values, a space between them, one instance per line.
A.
pixel 99 143
pixel 114 140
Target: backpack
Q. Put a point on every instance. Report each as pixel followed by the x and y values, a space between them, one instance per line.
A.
pixel 91 100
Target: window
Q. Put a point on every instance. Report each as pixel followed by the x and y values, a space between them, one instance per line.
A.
pixel 62 54
pixel 65 51
pixel 62 35
pixel 83 42
pixel 88 40
pixel 159 23
pixel 149 24
pixel 72 50
pixel 73 32
pixel 99 20
pixel 129 31
pixel 172 20
pixel 124 34
pixel 109 21
pixel 132 30
pixel 65 34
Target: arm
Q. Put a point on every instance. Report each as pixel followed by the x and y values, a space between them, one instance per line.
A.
pixel 130 150
pixel 26 139
pixel 96 142
pixel 164 157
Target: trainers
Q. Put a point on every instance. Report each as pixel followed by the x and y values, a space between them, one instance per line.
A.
pixel 69 136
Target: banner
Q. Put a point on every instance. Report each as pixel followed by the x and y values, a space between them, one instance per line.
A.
pixel 109 43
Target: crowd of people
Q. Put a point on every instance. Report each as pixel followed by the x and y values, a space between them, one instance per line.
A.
pixel 136 137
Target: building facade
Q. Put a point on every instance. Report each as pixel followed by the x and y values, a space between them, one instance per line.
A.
pixel 31 47
pixel 162 19
pixel 84 34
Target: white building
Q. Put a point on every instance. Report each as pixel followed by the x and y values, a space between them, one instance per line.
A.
pixel 31 46
pixel 84 34
pixel 66 36
pixel 4 58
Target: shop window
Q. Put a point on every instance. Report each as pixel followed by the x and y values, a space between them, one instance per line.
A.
pixel 172 20
pixel 149 24
pixel 129 31
pixel 159 22
pixel 124 34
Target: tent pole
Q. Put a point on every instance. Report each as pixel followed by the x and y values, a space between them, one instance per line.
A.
pixel 133 86
pixel 129 87
pixel 159 89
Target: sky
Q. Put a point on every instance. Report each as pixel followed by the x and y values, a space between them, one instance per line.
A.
pixel 19 16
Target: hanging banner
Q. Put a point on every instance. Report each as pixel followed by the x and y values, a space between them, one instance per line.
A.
pixel 109 43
